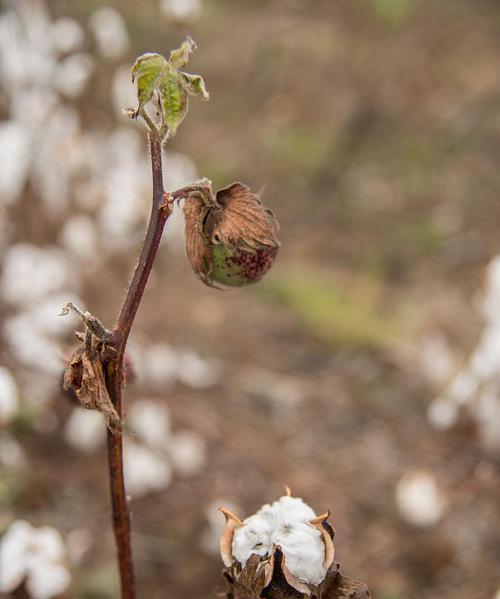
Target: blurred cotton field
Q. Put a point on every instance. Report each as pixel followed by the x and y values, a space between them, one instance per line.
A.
pixel 362 372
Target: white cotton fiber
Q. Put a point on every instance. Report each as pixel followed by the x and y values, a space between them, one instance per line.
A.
pixel 284 523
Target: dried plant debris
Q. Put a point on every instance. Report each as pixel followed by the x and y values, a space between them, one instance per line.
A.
pixel 284 551
pixel 231 239
pixel 84 374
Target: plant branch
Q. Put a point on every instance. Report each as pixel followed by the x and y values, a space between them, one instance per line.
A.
pixel 114 368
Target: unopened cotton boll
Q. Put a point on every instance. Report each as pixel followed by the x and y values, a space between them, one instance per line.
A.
pixel 9 396
pixel 419 499
pixel 145 470
pixel 110 32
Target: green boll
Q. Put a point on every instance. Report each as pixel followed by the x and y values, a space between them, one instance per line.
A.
pixel 231 239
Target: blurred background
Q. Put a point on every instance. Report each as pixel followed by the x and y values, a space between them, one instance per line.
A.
pixel 362 371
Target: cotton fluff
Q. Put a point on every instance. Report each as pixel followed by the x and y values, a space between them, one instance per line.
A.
pixel 285 523
pixel 67 35
pixel 145 470
pixel 14 160
pixel 110 31
pixel 30 272
pixel 187 452
pixel 419 499
pixel 36 555
pixel 150 421
pixel 73 74
pixel 182 10
pixel 85 430
pixel 9 401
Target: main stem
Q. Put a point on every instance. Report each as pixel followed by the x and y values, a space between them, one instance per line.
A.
pixel 114 371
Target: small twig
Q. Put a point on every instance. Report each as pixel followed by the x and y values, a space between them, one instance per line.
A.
pixel 114 368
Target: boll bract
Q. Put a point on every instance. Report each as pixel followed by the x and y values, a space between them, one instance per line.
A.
pixel 231 239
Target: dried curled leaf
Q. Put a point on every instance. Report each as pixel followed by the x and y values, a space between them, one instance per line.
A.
pixel 231 239
pixel 84 375
pixel 160 79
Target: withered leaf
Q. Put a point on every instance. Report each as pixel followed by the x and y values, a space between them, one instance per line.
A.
pixel 84 375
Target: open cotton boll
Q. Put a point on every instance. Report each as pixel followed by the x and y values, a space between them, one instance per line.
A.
pixel 11 453
pixel 159 365
pixel 150 421
pixel 67 35
pixel 284 523
pixel 31 347
pixel 419 499
pixel 187 452
pixel 9 396
pixel 36 555
pixel 194 371
pixel 80 236
pixel 15 160
pixel 145 471
pixel 73 73
pixel 85 430
pixel 110 32
pixel 182 10
pixel 30 272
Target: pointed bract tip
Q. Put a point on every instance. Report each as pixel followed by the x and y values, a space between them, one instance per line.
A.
pixel 230 516
pixel 288 491
pixel 320 519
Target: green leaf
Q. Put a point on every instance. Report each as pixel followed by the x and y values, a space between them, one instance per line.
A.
pixel 194 85
pixel 155 74
pixel 180 56
pixel 147 69
pixel 173 98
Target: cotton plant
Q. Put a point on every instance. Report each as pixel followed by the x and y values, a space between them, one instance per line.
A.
pixel 475 388
pixel 35 557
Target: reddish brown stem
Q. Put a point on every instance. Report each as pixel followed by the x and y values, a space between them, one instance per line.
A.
pixel 114 371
